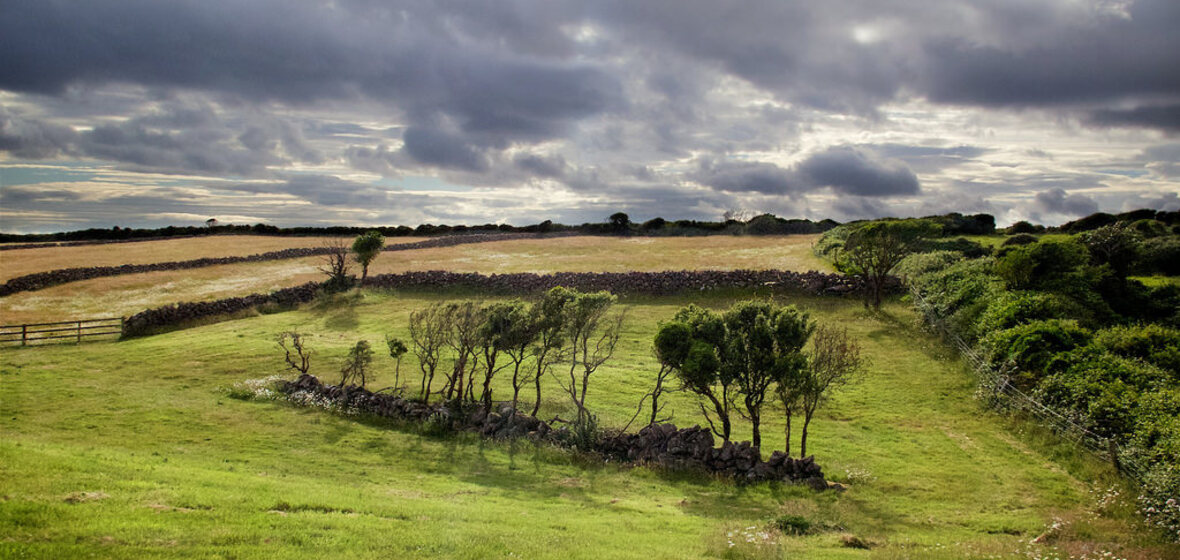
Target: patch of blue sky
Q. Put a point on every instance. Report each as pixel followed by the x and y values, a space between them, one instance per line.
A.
pixel 1132 173
pixel 13 176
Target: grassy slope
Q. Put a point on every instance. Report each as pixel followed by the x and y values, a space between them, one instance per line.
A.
pixel 187 471
pixel 126 295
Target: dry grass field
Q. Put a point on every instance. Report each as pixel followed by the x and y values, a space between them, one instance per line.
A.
pixel 129 294
pixel 28 261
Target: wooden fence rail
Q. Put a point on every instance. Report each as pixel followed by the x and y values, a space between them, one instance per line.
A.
pixel 61 330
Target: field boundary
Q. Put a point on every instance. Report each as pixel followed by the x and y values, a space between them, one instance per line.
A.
pixel 77 329
pixel 997 386
pixel 48 279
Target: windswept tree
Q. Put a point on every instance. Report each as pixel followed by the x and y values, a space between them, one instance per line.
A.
pixel 834 361
pixel 335 265
pixel 593 332
pixel 397 349
pixel 356 365
pixel 551 344
pixel 428 337
pixel 873 249
pixel 463 321
pixel 365 249
pixel 291 341
pixel 690 345
pixel 516 331
pixel 762 347
pixel 499 334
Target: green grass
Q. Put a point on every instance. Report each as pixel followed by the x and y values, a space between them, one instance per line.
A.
pixel 1158 280
pixel 134 449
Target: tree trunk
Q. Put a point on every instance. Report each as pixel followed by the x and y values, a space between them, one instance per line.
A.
pixel 803 437
pixel 787 439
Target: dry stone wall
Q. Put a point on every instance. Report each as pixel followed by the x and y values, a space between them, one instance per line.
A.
pixel 660 445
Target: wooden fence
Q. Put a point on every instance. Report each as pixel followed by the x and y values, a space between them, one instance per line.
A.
pixel 60 331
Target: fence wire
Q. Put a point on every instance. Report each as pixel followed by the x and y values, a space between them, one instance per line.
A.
pixel 997 385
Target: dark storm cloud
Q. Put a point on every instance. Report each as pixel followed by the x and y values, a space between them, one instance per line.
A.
pixel 300 53
pixel 1057 201
pixel 32 139
pixel 549 167
pixel 852 171
pixel 1163 117
pixel 441 149
pixel 844 169
pixel 746 176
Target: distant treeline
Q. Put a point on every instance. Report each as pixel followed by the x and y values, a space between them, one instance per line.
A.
pixel 618 224
pixel 766 224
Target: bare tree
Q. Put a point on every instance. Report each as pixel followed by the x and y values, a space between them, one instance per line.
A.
pixel 292 341
pixel 834 361
pixel 335 264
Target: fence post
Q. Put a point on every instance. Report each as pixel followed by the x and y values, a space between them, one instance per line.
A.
pixel 1114 454
pixel 24 335
pixel 79 332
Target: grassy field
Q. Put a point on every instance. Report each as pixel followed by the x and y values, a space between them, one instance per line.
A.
pixel 129 294
pixel 28 261
pixel 134 449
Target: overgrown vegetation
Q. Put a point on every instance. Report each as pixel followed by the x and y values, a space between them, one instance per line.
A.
pixel 1066 325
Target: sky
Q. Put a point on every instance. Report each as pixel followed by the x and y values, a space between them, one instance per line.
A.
pixel 146 113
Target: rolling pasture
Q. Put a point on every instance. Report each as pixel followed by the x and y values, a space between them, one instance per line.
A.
pixel 129 294
pixel 137 448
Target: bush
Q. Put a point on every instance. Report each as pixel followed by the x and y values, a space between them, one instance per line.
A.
pixel 1032 346
pixel 1159 255
pixel 1019 239
pixel 1155 344
pixel 1011 309
pixel 920 264
pixel 1024 227
pixel 1101 389
pixel 1046 265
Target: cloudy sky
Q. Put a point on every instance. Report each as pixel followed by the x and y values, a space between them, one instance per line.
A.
pixel 374 112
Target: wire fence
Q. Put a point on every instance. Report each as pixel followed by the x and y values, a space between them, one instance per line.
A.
pixel 997 385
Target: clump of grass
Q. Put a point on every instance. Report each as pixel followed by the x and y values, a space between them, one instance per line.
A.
pixel 792 524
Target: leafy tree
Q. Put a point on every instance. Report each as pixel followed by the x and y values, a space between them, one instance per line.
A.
pixel 397 349
pixel 762 346
pixel 551 344
pixel 1116 245
pixel 505 330
pixel 366 247
pixel 690 345
pixel 463 321
pixel 620 223
pixel 873 249
pixel 517 334
pixel 428 335
pixel 593 333
pixel 356 365
pixel 834 361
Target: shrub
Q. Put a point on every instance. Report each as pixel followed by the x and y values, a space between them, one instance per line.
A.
pixel 1154 344
pixel 1160 255
pixel 792 525
pixel 920 264
pixel 1044 265
pixel 1099 388
pixel 1031 346
pixel 1019 239
pixel 1010 309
